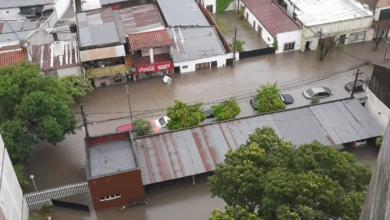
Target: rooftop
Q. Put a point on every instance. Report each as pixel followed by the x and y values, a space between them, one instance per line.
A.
pixel 149 40
pixel 23 3
pixel 57 55
pixel 191 43
pixel 383 63
pixel 11 53
pixel 327 11
pixel 12 37
pixel 271 16
pixel 97 27
pixel 18 26
pixel 182 13
pixel 102 53
pixel 188 152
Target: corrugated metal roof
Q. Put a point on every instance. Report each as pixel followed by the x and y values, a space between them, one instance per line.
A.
pixel 271 16
pixel 57 55
pixel 182 13
pixel 149 40
pixel 97 28
pixel 11 53
pixel 172 155
pixel 192 43
pixel 102 53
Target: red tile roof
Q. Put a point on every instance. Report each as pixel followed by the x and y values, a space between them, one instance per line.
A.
pixel 149 40
pixel 270 16
pixel 11 57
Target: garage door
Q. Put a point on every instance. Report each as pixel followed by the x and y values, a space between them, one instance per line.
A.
pixel 357 37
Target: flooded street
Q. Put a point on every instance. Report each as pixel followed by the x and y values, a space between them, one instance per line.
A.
pixel 108 108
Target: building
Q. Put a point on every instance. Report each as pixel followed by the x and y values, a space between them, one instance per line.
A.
pixel 21 9
pixel 346 20
pixel 13 206
pixel 378 92
pixel 11 53
pixel 210 5
pixel 381 11
pixel 272 24
pixel 196 48
pixel 113 173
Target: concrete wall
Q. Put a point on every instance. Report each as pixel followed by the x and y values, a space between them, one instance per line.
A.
pixel 289 37
pixel 377 109
pixel 190 66
pixel 11 13
pixel 156 51
pixel 338 28
pixel 76 70
pixel 12 203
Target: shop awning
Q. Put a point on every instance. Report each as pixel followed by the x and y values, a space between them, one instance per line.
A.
pixel 149 40
pixel 102 53
pixel 107 71
pixel 154 67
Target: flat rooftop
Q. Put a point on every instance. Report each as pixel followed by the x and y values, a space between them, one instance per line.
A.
pixel 182 13
pixel 111 158
pixel 316 12
pixel 271 16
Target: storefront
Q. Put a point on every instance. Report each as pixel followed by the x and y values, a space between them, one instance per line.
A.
pixel 151 70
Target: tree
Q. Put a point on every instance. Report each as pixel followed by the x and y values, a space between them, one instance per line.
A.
pixel 267 99
pixel 183 116
pixel 33 108
pixel 76 85
pixel 278 181
pixel 142 127
pixel 325 46
pixel 379 33
pixel 226 110
pixel 231 213
pixel 20 175
pixel 239 45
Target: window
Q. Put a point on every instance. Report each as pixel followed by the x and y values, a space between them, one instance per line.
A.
pixel 384 14
pixel 247 16
pixel 209 8
pixel 185 67
pixel 111 197
pixel 289 46
pixel 268 39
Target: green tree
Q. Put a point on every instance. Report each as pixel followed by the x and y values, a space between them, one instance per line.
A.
pixel 267 99
pixel 33 108
pixel 142 127
pixel 378 141
pixel 282 182
pixel 239 45
pixel 228 109
pixel 183 115
pixel 76 85
pixel 20 175
pixel 231 213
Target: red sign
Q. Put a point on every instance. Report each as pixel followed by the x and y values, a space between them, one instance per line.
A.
pixel 154 67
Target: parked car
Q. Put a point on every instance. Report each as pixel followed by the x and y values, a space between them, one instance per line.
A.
pixel 126 127
pixel 358 86
pixel 321 92
pixel 286 98
pixel 162 122
pixel 254 103
pixel 208 113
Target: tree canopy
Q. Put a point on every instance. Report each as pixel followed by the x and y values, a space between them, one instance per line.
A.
pixel 228 109
pixel 142 127
pixel 278 181
pixel 76 85
pixel 33 108
pixel 267 99
pixel 183 115
pixel 237 213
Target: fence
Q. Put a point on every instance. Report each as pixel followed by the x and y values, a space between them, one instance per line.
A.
pixel 252 53
pixel 36 200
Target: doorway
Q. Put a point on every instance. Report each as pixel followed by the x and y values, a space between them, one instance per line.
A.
pixel 342 39
pixel 307 45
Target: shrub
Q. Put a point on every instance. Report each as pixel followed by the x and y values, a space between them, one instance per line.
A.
pixel 226 110
pixel 314 100
pixel 142 127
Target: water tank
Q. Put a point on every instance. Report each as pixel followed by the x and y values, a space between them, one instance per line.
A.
pixel 73 28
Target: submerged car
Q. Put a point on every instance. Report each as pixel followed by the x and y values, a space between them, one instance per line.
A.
pixel 162 122
pixel 286 99
pixel 254 103
pixel 209 113
pixel 358 86
pixel 320 92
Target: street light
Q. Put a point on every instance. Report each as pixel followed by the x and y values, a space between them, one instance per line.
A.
pixel 32 178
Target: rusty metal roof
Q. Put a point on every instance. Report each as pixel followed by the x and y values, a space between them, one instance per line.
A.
pixel 271 16
pixel 102 53
pixel 57 55
pixel 149 40
pixel 188 152
pixel 11 53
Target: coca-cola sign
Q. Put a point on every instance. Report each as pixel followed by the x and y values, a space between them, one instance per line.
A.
pixel 153 67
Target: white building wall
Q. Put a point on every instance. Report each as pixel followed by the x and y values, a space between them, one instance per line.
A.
pixel 76 70
pixel 289 37
pixel 377 109
pixel 156 51
pixel 337 28
pixel 211 2
pixel 12 204
pixel 190 66
pixel 267 37
pixel 11 13
pixel 290 7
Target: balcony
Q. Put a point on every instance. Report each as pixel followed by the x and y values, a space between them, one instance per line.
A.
pixel 107 71
pixel 157 59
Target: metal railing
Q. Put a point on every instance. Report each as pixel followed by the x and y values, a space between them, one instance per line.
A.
pixel 35 200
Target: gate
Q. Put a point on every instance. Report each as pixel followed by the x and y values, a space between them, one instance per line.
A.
pixel 252 53
pixel 35 200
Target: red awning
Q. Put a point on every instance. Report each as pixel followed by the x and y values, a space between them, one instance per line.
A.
pixel 149 40
pixel 154 67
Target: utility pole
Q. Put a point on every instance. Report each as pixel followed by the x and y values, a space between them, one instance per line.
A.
pixel 84 120
pixel 128 101
pixel 234 45
pixel 354 83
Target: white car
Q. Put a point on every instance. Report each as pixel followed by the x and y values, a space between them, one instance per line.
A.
pixel 321 92
pixel 162 122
